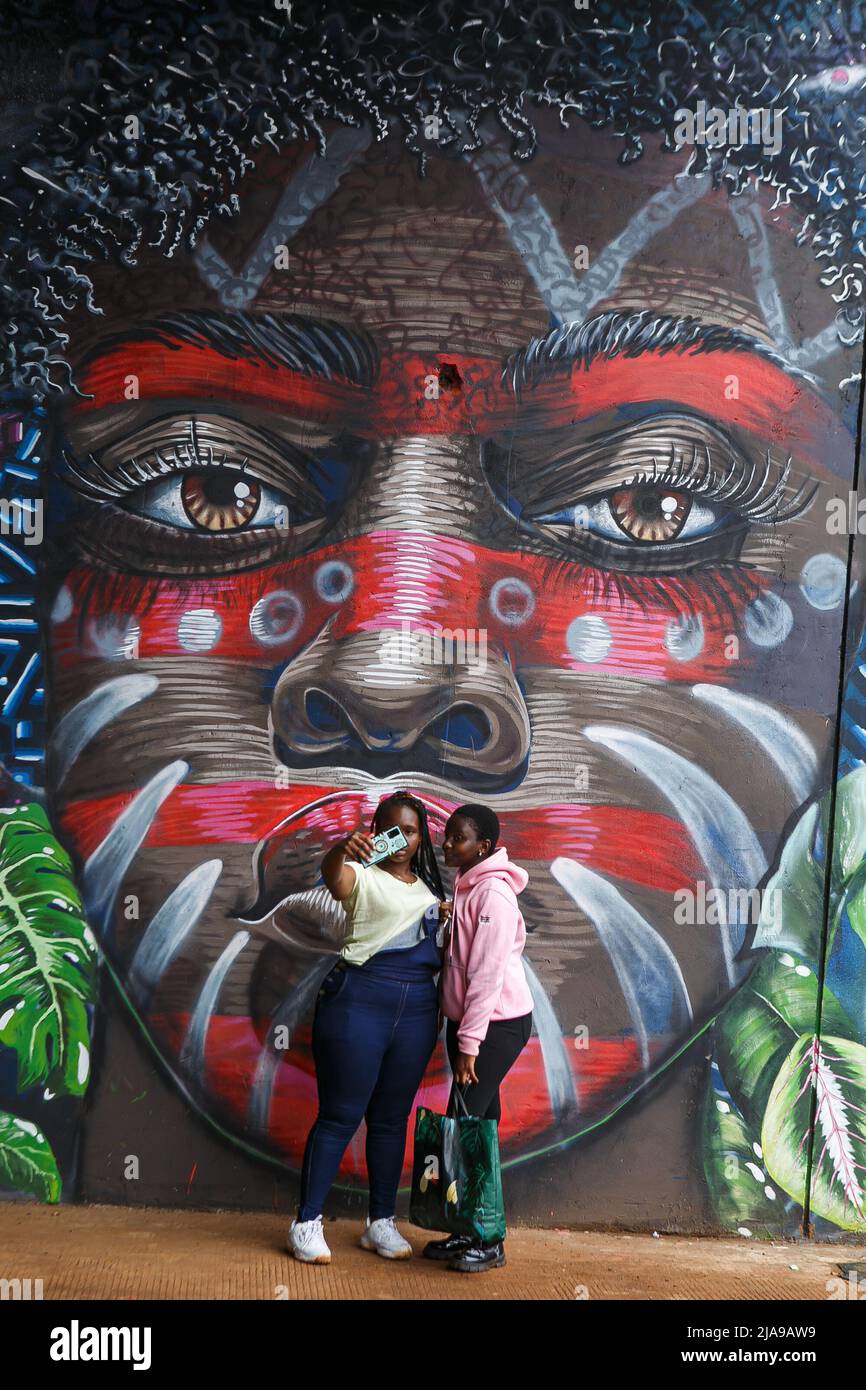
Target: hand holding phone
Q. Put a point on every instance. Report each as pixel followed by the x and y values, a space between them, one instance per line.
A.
pixel 359 846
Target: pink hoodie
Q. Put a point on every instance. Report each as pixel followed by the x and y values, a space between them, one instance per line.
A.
pixel 482 978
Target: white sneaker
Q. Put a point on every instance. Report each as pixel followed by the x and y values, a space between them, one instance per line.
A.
pixel 383 1237
pixel 307 1242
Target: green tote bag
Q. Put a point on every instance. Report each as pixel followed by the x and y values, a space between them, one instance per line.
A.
pixel 456 1174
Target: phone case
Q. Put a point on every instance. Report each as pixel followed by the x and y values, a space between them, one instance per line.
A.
pixel 386 847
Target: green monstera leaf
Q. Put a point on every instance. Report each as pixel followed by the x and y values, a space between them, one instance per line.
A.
pixel 835 1068
pixel 740 1190
pixel 758 1027
pixel 793 910
pixel 48 956
pixel 764 1033
pixel 26 1161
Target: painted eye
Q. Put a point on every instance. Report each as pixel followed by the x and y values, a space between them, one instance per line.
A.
pixel 219 502
pixel 214 500
pixel 645 513
pixel 650 513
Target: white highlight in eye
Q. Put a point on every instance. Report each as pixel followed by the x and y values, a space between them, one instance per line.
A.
pixel 62 606
pixel 276 617
pixel 242 491
pixel 589 638
pixel 512 601
pixel 822 581
pixel 768 620
pixel 684 638
pixel 199 629
pixel 669 506
pixel 334 581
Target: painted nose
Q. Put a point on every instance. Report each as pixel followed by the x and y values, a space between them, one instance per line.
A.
pixel 398 707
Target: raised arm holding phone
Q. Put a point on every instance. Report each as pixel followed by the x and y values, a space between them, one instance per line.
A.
pixel 376 1020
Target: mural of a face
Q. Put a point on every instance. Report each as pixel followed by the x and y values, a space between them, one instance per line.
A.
pixel 368 522
pixel 501 480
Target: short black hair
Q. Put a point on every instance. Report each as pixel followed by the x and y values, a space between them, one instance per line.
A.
pixel 486 822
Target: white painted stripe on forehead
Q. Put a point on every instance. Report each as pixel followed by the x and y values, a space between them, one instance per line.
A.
pixel 531 232
pixel 568 297
pixel 572 298
pixel 746 212
pixel 306 191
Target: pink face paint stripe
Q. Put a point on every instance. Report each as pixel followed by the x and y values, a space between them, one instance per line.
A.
pixel 377 601
pixel 602 836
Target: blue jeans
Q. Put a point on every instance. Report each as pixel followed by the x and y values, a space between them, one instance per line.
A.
pixel 372 1039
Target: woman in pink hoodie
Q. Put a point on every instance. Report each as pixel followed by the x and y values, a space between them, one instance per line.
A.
pixel 482 988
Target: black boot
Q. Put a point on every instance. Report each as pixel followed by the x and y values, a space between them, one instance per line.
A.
pixel 446 1249
pixel 479 1256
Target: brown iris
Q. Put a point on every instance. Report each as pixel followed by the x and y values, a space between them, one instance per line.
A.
pixel 219 501
pixel 650 512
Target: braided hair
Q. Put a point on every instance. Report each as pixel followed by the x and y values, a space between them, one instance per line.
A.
pixel 423 862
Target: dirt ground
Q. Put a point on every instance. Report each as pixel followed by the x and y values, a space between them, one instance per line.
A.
pixel 109 1252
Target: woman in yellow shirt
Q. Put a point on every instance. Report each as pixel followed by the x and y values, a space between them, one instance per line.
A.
pixel 376 1022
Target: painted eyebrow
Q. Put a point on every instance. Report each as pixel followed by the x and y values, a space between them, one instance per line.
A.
pixel 320 348
pixel 614 334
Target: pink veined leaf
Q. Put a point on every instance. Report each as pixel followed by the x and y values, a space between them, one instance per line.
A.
pixel 832 1115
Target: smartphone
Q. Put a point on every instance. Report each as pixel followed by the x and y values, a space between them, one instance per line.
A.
pixel 387 843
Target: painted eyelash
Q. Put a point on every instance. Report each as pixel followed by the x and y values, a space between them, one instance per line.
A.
pixel 758 497
pixel 713 589
pixel 105 486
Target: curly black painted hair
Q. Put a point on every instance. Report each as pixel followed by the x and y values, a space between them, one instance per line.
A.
pixel 159 109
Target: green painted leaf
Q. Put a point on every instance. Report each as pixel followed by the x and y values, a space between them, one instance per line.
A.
pixel 849 824
pixel 793 901
pixel 857 914
pixel 741 1194
pixel 27 1163
pixel 757 1029
pixel 836 1069
pixel 796 894
pixel 48 956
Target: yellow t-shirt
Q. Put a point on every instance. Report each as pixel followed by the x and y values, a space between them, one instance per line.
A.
pixel 382 912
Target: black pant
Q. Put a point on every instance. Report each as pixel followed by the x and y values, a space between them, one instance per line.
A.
pixel 501 1048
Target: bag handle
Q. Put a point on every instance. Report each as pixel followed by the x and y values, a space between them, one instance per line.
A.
pixel 457 1092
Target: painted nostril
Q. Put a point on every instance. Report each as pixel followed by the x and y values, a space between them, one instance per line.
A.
pixel 323 713
pixel 463 727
